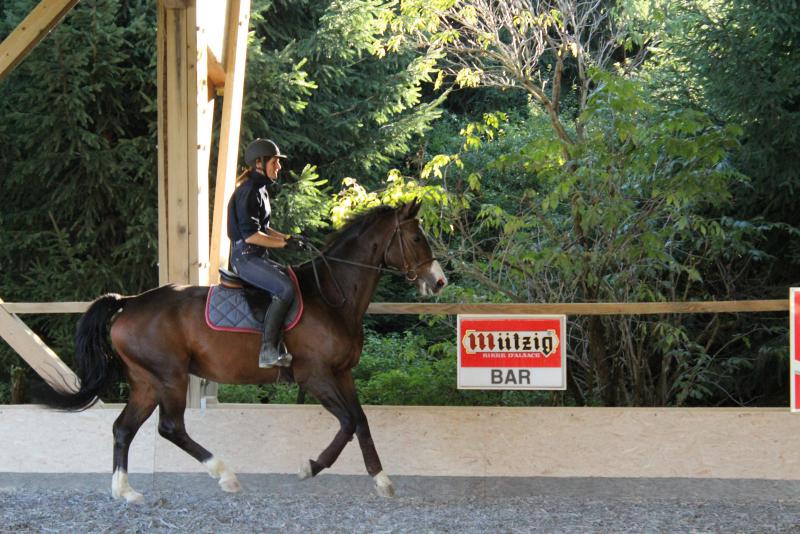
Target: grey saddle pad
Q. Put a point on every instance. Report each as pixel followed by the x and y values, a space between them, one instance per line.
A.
pixel 228 309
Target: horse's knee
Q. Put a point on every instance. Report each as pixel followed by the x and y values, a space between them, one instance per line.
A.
pixel 348 427
pixel 362 427
pixel 169 430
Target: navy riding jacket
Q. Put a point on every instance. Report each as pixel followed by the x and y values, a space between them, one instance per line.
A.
pixel 248 208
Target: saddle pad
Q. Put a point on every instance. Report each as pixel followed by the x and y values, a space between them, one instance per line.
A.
pixel 228 310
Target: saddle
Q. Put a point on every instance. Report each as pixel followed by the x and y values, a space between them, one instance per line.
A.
pixel 236 306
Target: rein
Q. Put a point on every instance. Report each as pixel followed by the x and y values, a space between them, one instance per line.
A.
pixel 410 273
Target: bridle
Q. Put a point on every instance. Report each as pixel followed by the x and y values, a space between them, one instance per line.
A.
pixel 409 271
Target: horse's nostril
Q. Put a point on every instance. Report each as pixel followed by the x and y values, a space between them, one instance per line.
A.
pixel 440 283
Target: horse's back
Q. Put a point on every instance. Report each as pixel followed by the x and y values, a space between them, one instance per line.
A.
pixel 156 319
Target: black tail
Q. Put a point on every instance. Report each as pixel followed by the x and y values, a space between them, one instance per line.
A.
pixel 98 365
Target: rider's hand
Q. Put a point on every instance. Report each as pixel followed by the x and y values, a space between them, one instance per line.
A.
pixel 295 242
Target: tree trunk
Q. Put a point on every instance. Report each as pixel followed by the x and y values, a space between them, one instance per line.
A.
pixel 18 385
pixel 606 374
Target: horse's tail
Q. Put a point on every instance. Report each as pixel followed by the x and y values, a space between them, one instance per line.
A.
pixel 97 363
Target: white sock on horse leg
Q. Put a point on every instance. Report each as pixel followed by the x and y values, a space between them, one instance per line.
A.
pixel 383 485
pixel 227 478
pixel 120 488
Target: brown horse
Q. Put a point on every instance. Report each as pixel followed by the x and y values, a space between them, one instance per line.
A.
pixel 159 337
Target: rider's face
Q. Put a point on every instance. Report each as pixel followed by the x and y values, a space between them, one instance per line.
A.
pixel 273 168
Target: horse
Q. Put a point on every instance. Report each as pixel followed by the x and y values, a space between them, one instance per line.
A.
pixel 154 340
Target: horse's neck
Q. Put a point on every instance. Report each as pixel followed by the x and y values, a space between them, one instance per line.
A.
pixel 357 282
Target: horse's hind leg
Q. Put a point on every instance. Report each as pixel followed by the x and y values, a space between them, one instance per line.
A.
pixel 171 426
pixel 141 404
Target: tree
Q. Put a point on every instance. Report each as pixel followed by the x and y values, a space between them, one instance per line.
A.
pixel 739 61
pixel 604 200
pixel 320 83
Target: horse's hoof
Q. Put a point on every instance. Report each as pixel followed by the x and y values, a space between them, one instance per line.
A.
pixel 383 485
pixel 305 471
pixel 230 485
pixel 134 497
pixel 121 489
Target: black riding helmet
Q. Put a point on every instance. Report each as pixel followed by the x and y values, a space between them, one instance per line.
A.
pixel 261 148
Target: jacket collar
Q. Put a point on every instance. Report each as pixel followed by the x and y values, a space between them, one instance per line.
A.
pixel 258 179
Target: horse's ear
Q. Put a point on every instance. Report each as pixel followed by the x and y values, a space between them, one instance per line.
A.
pixel 416 205
pixel 409 210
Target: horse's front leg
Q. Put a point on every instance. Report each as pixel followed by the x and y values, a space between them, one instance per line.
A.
pixel 383 485
pixel 372 461
pixel 337 394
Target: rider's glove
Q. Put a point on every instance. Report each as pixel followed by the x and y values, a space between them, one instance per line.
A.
pixel 295 242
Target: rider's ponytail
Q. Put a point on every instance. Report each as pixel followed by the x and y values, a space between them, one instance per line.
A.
pixel 242 177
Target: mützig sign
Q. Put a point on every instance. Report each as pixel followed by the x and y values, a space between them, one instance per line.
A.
pixel 512 352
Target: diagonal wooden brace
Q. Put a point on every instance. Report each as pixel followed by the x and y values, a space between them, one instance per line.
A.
pixel 36 352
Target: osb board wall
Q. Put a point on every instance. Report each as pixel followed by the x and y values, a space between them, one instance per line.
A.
pixel 428 441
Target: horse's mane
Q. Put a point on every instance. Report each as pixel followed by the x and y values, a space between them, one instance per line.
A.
pixel 356 225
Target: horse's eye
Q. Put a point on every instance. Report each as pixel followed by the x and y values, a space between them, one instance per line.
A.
pixel 417 238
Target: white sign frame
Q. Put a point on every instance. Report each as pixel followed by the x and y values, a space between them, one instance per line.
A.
pixel 794 365
pixel 469 383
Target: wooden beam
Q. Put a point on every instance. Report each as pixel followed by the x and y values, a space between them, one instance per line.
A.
pixel 46 307
pixel 178 4
pixel 405 308
pixel 39 356
pixel 599 308
pixel 35 27
pixel 216 75
pixel 230 128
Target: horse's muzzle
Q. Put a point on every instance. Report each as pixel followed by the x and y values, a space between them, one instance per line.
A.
pixel 432 280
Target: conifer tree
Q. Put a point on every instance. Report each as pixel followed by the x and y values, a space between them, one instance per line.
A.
pixel 321 82
pixel 78 208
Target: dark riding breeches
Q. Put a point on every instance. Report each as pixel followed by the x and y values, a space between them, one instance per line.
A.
pixel 254 267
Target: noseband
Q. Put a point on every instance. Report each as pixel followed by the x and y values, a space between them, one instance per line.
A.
pixel 409 271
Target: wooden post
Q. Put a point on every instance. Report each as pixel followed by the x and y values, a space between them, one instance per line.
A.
pixel 230 127
pixel 35 27
pixel 233 48
pixel 185 117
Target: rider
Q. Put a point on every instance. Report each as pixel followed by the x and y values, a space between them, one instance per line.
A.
pixel 251 238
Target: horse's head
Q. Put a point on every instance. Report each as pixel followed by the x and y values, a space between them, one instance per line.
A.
pixel 408 250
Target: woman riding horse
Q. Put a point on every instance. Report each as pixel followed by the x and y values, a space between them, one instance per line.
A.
pixel 251 238
pixel 158 338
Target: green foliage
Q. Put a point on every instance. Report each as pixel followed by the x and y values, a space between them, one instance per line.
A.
pixel 354 198
pixel 622 215
pixel 739 61
pixel 344 109
pixel 78 209
pixel 253 394
pixel 418 369
pixel 303 202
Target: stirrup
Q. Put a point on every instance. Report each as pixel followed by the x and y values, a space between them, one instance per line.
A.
pixel 284 359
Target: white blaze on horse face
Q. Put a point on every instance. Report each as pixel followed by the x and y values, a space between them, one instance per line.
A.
pixel 433 281
pixel 120 488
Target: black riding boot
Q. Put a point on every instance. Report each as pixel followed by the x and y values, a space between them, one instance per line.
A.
pixel 270 355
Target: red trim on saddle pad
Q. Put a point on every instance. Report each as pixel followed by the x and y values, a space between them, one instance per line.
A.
pixel 292 324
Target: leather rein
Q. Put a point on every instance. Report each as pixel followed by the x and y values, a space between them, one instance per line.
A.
pixel 410 272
